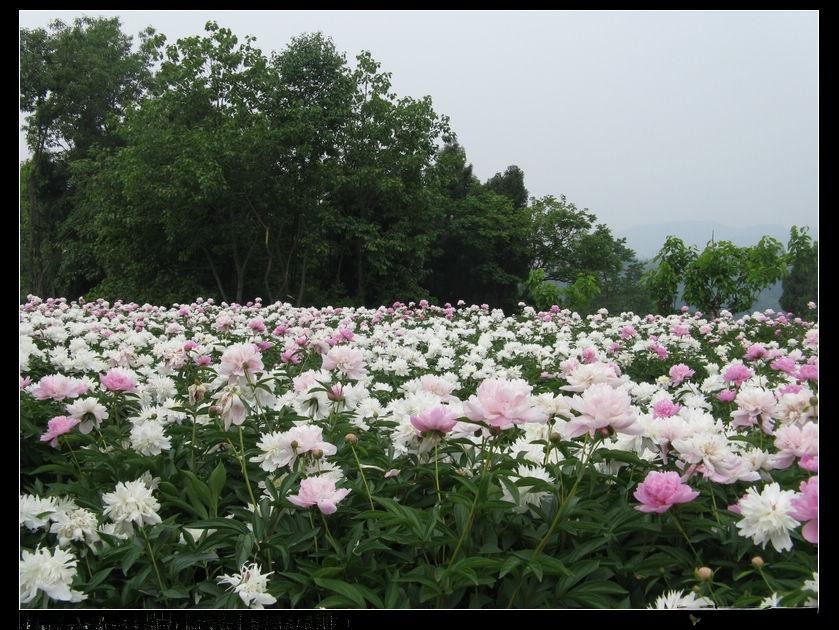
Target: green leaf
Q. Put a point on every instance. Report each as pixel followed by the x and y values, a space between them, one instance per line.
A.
pixel 98 578
pixel 216 484
pixel 176 592
pixel 181 561
pixel 343 588
pixel 130 558
pixel 220 523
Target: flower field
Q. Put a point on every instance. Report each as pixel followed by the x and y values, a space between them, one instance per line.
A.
pixel 415 456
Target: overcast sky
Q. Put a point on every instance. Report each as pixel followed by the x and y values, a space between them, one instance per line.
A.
pixel 643 117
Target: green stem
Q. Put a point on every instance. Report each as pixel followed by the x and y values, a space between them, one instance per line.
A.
pixel 101 439
pixel 245 469
pixel 312 522
pixel 437 473
pixel 76 461
pixel 766 581
pixel 559 512
pixel 363 478
pixel 468 527
pixel 153 562
pixel 192 453
pixel 329 534
pixel 714 503
pixel 684 533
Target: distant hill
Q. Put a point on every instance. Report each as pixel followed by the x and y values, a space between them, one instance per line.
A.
pixel 646 240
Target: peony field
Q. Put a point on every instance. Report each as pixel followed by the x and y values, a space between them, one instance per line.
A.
pixel 215 455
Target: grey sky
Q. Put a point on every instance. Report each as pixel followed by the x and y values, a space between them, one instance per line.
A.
pixel 643 117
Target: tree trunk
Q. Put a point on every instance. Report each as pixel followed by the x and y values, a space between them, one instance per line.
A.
pixel 215 275
pixel 240 276
pixel 359 276
pixel 36 285
pixel 302 280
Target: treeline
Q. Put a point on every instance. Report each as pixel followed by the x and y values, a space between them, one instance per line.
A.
pixel 160 171
pixel 163 171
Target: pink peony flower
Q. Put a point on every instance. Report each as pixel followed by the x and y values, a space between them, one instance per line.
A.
pixel 230 407
pixel 805 507
pixel 240 359
pixel 348 361
pixel 810 463
pixel 726 395
pixel 436 385
pixel 118 380
pixel 660 350
pixel 808 372
pixel 589 355
pixel 58 387
pixel 679 373
pixel 437 418
pixel 25 381
pixel 627 332
pixel 755 351
pixel 502 403
pixel 58 426
pixel 661 490
pixel 665 408
pixel 319 491
pixel 753 404
pixel 789 389
pixel 203 360
pixel 784 364
pixel 602 407
pixel 738 374
pixel 257 325
pixel 793 441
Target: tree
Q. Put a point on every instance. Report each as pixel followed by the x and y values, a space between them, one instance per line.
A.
pixel 662 281
pixel 722 276
pixel 482 253
pixel 75 83
pixel 511 185
pixel 801 285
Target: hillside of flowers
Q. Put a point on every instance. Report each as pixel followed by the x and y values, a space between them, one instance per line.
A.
pixel 415 456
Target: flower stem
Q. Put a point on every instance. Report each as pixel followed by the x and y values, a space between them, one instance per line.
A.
pixel 363 478
pixel 245 469
pixel 437 473
pixel 684 533
pixel 329 535
pixel 76 461
pixel 468 527
pixel 312 522
pixel 559 512
pixel 153 562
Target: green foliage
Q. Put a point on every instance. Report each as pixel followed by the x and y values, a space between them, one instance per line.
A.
pixel 542 294
pixel 673 261
pixel 722 276
pixel 164 170
pixel 801 285
pixel 730 277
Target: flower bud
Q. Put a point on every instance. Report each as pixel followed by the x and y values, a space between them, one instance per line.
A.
pixel 294 444
pixel 814 401
pixel 555 438
pixel 316 453
pixel 757 562
pixel 703 574
pixel 352 438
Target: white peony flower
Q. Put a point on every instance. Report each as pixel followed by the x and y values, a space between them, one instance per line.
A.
pixel 51 573
pixel 678 599
pixel 131 502
pixel 766 516
pixel 251 585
